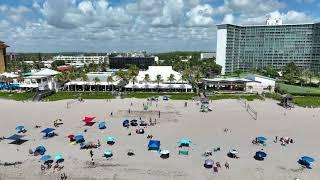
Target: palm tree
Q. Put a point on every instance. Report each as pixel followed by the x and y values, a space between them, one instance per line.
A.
pixel 158 80
pixel 133 72
pixel 146 78
pixel 84 78
pixel 171 78
pixel 96 80
pixel 110 80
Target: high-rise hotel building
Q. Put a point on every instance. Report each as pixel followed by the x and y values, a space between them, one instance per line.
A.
pixel 274 44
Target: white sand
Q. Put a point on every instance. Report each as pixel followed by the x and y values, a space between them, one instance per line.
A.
pixel 176 122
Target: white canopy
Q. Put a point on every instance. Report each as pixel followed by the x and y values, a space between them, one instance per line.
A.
pixel 46 72
pixel 155 86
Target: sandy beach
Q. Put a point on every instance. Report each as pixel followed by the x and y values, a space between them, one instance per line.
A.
pixel 205 130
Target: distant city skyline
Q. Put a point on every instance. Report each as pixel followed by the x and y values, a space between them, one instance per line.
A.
pixel 136 25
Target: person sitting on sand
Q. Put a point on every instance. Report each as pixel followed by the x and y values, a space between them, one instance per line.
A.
pixel 63 176
pixel 43 169
pixel 218 165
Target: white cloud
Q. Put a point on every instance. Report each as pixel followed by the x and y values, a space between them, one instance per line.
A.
pixel 228 19
pixel 201 15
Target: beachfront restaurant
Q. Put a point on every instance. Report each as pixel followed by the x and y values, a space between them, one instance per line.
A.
pixel 231 85
pixel 92 85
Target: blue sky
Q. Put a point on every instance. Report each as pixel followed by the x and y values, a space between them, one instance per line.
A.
pixel 134 25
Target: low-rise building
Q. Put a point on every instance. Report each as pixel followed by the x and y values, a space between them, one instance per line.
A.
pixel 207 55
pixel 81 60
pixel 250 84
pixel 148 80
pixel 41 80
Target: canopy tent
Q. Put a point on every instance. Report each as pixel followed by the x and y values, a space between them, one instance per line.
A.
pixel 40 150
pixel 19 141
pixel 102 125
pixel 15 137
pixel 307 159
pixel 184 142
pixel 88 119
pixel 142 123
pixel 126 123
pixel 154 145
pixel 46 72
pixel 47 130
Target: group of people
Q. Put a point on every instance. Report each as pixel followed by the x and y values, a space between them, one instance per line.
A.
pixel 284 140
pixel 218 166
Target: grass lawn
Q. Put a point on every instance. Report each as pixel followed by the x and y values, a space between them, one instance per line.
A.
pixel 307 101
pixel 23 96
pixel 174 96
pixel 75 95
pixel 298 90
pixel 249 97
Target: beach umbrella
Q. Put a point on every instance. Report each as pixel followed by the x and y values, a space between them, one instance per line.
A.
pixel 261 138
pixel 126 123
pixel 110 139
pixel 130 152
pixel 108 153
pixel 41 150
pixel 164 152
pixel 45 158
pixel 19 128
pixel 71 136
pixel 102 125
pixel 261 154
pixel 307 159
pixel 233 151
pixel 184 142
pixel 79 138
pixel 209 162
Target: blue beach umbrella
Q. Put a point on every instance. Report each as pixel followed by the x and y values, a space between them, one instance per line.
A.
pixel 79 138
pixel 19 128
pixel 110 139
pixel 41 150
pixel 45 158
pixel 307 159
pixel 108 153
pixel 102 125
pixel 261 138
pixel 261 154
pixel 58 157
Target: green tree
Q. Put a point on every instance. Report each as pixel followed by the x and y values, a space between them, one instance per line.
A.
pixel 146 78
pixel 96 80
pixel 110 80
pixel 237 72
pixel 171 78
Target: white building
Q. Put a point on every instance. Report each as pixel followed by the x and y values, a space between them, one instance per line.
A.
pixel 251 84
pixel 207 55
pixel 41 80
pixel 165 85
pixel 81 60
pixel 266 83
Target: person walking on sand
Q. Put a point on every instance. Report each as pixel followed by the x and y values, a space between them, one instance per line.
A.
pixel 227 165
pixel 91 153
pixel 159 114
pixel 276 140
pixel 129 111
pixel 111 114
pixel 218 165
